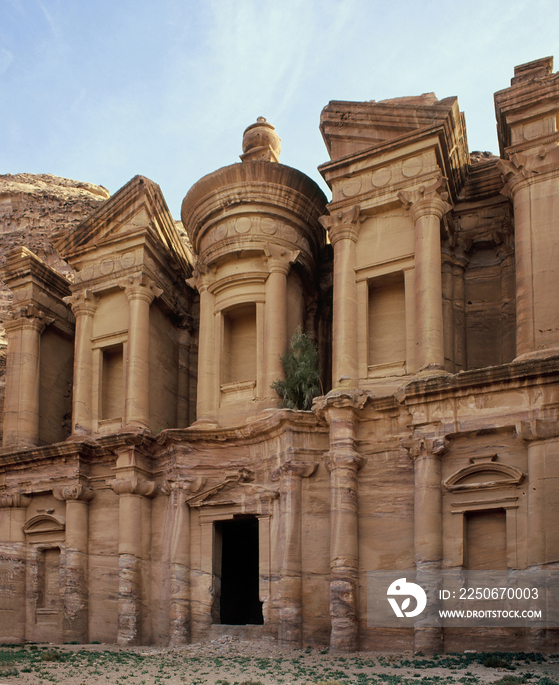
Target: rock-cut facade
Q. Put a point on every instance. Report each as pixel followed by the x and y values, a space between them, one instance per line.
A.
pixel 153 490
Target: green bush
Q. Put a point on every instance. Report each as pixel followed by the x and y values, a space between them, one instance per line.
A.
pixel 302 373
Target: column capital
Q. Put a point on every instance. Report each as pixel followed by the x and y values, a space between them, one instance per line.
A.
pixel 538 429
pixel 75 491
pixel 133 486
pixel 354 400
pixel 344 459
pixel 426 200
pixel 418 446
pixel 295 469
pixel 342 224
pixel 180 488
pixel 520 170
pixel 82 302
pixel 279 259
pixel 28 316
pixel 203 277
pixel 140 287
pixel 15 499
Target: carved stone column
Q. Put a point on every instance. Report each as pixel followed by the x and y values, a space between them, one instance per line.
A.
pixel 206 396
pixel 76 596
pixel 343 231
pixel 428 528
pixel 531 183
pixel 427 207
pixel 140 292
pixel 290 584
pixel 13 512
pixel 21 408
pixel 344 462
pixel 178 532
pixel 131 492
pixel 542 438
pixel 83 303
pixel 275 324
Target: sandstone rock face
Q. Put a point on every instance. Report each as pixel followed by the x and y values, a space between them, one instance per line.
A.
pixel 34 207
pixel 152 491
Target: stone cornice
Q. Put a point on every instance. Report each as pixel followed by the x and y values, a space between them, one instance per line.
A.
pixel 397 147
pixel 342 399
pixel 514 374
pixel 272 422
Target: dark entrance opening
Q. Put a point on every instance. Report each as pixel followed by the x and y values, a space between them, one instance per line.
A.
pixel 239 602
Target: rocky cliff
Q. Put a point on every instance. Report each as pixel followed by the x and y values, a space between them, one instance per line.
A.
pixel 33 208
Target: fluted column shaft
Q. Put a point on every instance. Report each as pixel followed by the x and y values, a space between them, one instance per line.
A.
pixel 21 409
pixel 343 462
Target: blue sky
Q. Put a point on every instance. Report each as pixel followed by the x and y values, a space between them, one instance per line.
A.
pixel 101 90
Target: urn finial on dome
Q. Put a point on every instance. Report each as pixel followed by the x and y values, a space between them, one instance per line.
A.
pixel 261 142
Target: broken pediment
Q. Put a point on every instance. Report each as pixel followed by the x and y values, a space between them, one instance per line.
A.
pixel 136 211
pixel 483 473
pixel 350 127
pixel 237 490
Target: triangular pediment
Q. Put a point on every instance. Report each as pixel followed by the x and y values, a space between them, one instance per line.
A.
pixel 136 211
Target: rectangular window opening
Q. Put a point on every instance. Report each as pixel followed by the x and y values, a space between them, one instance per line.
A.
pixel 239 344
pixel 112 383
pixel 387 320
pixel 486 540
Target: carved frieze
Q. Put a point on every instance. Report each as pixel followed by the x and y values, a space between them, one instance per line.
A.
pixel 255 229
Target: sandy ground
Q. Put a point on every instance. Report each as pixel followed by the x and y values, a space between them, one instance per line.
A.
pixel 230 661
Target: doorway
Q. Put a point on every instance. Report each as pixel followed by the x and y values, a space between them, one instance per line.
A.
pixel 239 602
